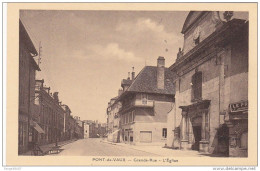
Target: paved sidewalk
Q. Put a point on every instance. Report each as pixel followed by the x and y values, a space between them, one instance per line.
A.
pixel 160 150
pixel 46 147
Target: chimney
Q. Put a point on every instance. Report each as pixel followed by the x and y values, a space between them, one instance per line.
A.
pixel 120 91
pixel 55 96
pixel 128 76
pixel 160 72
pixel 133 73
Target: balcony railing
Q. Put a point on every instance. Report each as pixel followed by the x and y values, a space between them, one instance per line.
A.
pixel 137 103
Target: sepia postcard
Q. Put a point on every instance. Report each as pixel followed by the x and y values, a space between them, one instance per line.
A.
pixel 131 84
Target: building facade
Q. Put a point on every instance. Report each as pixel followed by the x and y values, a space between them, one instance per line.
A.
pixel 113 132
pixel 48 114
pixel 211 80
pixel 27 69
pixel 146 101
pixel 66 121
pixel 42 117
pixel 86 130
pixel 79 127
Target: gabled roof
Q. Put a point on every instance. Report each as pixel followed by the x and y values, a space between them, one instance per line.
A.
pixel 228 32
pixel 24 36
pixel 25 39
pixel 146 81
pixel 190 20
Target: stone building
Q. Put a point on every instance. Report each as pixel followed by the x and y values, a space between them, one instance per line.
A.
pixel 67 127
pixel 211 80
pixel 146 101
pixel 79 127
pixel 92 128
pixel 48 114
pixel 86 130
pixel 113 134
pixel 27 69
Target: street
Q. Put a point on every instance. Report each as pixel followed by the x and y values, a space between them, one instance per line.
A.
pixel 99 147
pixel 93 147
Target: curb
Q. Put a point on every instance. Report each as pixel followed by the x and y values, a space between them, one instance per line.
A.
pixel 119 144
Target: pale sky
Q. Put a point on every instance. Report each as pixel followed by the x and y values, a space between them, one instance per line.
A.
pixel 86 54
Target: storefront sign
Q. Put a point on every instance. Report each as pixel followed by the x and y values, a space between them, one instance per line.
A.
pixel 239 106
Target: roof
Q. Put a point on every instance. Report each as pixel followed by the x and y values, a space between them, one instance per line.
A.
pixel 229 29
pixel 114 98
pixel 191 19
pixel 146 81
pixel 126 82
pixel 25 38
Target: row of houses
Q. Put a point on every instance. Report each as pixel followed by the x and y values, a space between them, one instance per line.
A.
pixel 43 119
pixel 96 129
pixel 200 102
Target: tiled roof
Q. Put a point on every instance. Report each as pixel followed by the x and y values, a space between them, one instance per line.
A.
pixel 126 82
pixel 146 81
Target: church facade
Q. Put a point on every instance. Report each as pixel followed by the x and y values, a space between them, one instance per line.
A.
pixel 211 85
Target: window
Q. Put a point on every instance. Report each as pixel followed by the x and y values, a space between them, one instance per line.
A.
pixel 131 138
pixel 164 132
pixel 144 98
pixel 37 99
pixel 133 116
pixel 196 86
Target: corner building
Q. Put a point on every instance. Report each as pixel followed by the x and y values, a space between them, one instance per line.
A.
pixel 27 72
pixel 146 102
pixel 211 83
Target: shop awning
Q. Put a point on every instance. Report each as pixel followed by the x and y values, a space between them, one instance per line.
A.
pixel 37 127
pixel 115 132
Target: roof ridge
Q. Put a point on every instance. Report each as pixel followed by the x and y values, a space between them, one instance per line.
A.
pixel 136 77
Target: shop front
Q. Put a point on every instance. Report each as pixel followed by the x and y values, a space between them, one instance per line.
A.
pixel 237 122
pixel 35 133
pixel 128 135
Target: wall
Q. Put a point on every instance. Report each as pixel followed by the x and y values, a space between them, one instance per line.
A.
pixel 207 26
pixel 210 91
pixel 171 126
pixel 23 78
pixel 23 98
pixel 156 97
pixel 156 129
pixel 156 114
pixel 148 122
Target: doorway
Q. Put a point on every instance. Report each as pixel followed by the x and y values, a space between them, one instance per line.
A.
pixel 197 137
pixel 196 128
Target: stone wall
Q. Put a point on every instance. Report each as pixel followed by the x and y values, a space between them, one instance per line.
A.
pixel 207 26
